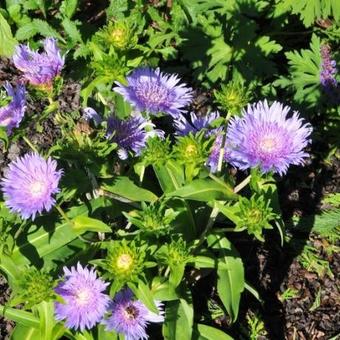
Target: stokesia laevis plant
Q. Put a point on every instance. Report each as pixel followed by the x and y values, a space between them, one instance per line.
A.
pixel 154 92
pixel 131 317
pixel 12 114
pixel 29 185
pixel 328 68
pixel 39 69
pixel 131 134
pixel 84 301
pixel 266 138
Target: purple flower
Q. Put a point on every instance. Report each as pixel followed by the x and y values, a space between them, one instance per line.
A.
pixel 130 316
pixel 130 134
pixel 84 301
pixel 265 137
pixel 29 184
pixel 328 68
pixel 39 68
pixel 196 124
pixel 12 114
pixel 91 114
pixel 155 92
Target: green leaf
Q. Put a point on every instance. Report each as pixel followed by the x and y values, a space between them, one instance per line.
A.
pixel 68 8
pixel 81 224
pixel 143 293
pixel 7 42
pixel 204 190
pixel 38 242
pixel 205 332
pixel 124 188
pixel 28 333
pixel 37 26
pixel 204 262
pixel 170 175
pixel 163 291
pixel 20 316
pixel 178 321
pixel 71 30
pixel 176 274
pixel 230 271
pixel 47 320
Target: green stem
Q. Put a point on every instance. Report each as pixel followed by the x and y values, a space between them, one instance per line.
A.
pixel 62 213
pixel 210 223
pixel 244 183
pixel 28 142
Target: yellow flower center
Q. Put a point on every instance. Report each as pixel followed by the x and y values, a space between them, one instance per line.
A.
pixel 124 262
pixel 255 215
pixel 37 188
pixel 83 296
pixel 191 150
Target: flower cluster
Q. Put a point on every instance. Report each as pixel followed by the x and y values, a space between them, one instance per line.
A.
pixel 85 303
pixel 12 114
pixel 39 69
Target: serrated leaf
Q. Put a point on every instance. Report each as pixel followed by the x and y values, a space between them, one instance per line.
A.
pixel 68 8
pixel 7 42
pixel 71 30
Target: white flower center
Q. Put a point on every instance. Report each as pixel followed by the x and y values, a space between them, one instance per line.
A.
pixel 268 144
pixel 37 188
pixel 152 94
pixel 83 296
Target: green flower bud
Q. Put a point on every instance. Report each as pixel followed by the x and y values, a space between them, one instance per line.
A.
pixel 33 287
pixel 154 218
pixel 232 97
pixel 157 151
pixel 124 261
pixel 255 215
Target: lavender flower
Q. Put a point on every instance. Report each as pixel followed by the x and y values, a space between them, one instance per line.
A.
pixel 154 92
pixel 84 301
pixel 29 184
pixel 265 137
pixel 328 68
pixel 130 316
pixel 12 114
pixel 91 114
pixel 131 134
pixel 39 68
pixel 196 124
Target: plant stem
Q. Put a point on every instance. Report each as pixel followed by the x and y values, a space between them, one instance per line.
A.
pixel 28 142
pixel 210 223
pixel 240 186
pixel 62 213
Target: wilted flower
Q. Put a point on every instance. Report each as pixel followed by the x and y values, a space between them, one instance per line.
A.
pixel 328 68
pixel 265 137
pixel 29 185
pixel 214 157
pixel 39 69
pixel 84 301
pixel 155 92
pixel 131 317
pixel 91 114
pixel 12 114
pixel 130 134
pixel 196 124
